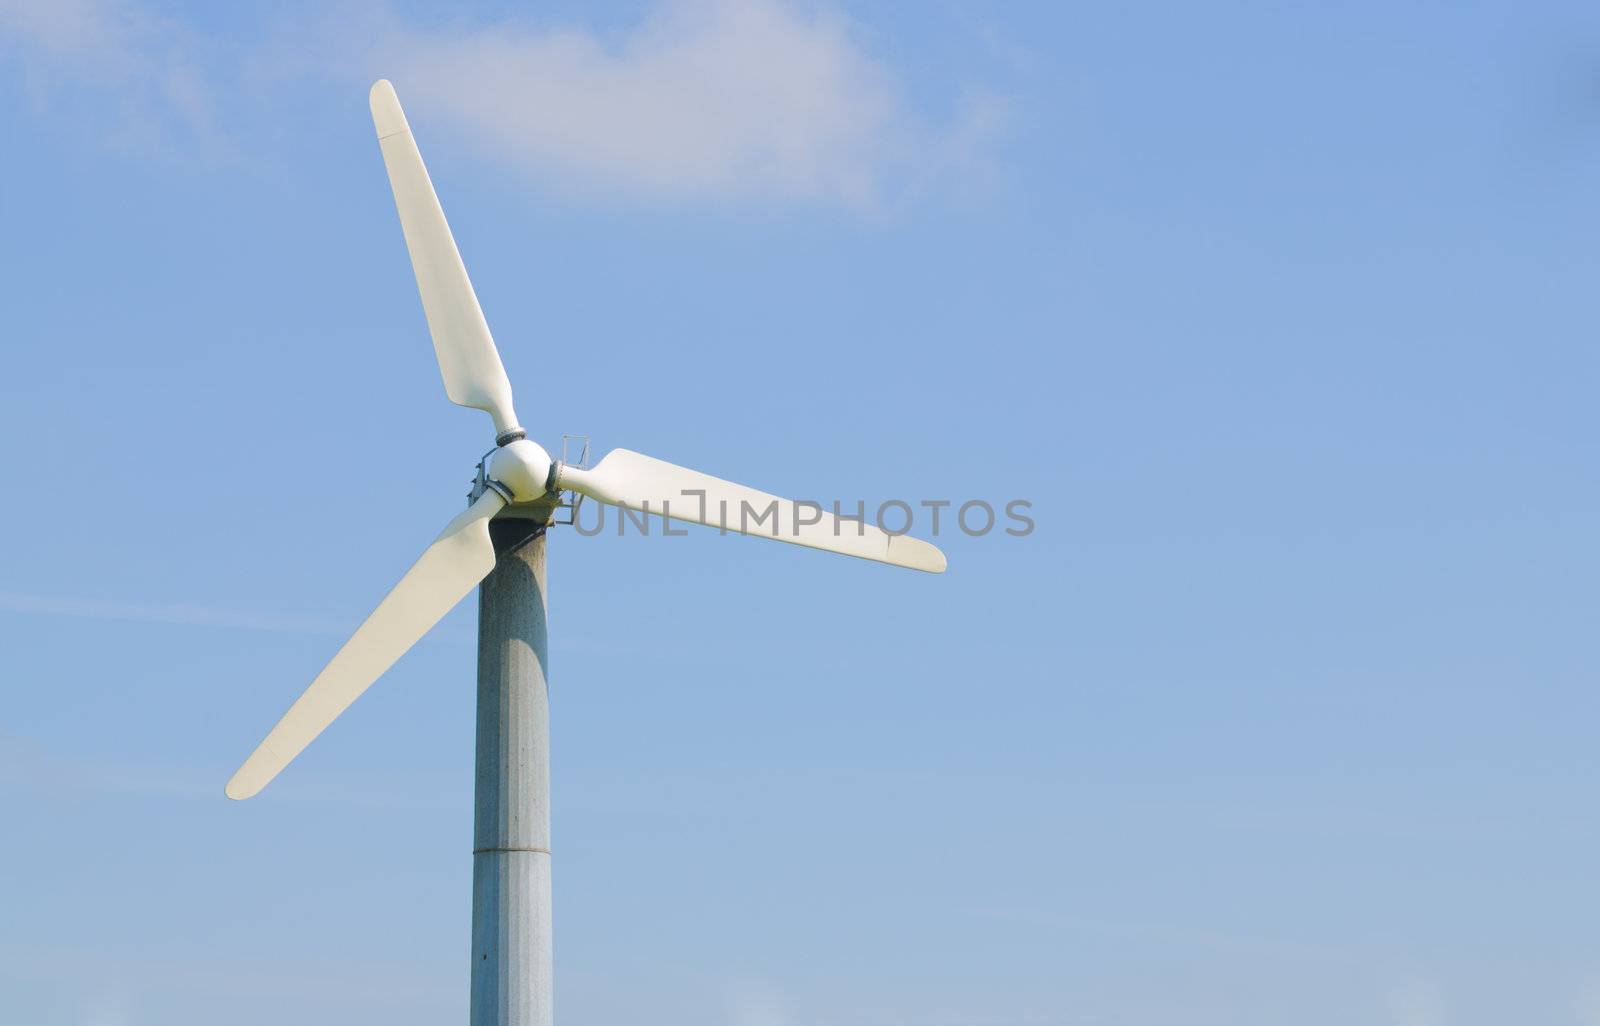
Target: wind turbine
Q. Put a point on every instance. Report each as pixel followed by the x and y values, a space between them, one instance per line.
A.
pixel 498 541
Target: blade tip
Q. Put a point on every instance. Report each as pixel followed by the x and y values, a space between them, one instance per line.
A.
pixel 238 789
pixel 387 115
pixel 918 554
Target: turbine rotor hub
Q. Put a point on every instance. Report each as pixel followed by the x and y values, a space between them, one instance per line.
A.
pixel 520 469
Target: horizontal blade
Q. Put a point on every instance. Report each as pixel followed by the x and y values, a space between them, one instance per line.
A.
pixel 457 560
pixel 639 482
pixel 473 373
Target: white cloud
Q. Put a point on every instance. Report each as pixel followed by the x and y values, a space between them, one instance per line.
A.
pixel 140 66
pixel 704 97
pixel 701 99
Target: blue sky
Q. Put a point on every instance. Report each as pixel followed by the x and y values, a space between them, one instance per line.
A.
pixel 1281 316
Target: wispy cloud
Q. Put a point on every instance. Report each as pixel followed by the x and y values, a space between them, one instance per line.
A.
pixel 703 97
pixel 29 768
pixel 1417 1003
pixel 67 28
pixel 755 1004
pixel 147 612
pixel 141 68
pixel 704 100
pixel 104 979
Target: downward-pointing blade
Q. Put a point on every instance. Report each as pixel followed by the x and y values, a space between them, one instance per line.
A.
pixel 639 482
pixel 468 360
pixel 457 560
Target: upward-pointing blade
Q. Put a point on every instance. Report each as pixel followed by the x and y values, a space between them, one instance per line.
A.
pixel 457 560
pixel 473 374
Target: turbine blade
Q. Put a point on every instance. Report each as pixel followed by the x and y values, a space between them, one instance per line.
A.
pixel 468 360
pixel 638 482
pixel 457 560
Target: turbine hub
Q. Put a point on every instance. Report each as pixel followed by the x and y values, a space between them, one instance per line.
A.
pixel 521 467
